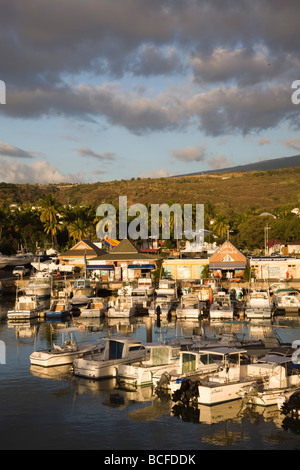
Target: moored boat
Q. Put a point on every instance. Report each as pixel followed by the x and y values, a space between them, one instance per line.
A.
pixel 161 359
pixel 259 305
pixel 283 378
pixel 96 308
pixel 26 307
pixel 59 309
pixel 190 307
pixel 121 307
pixel 287 300
pixel 40 285
pixel 221 307
pixel 225 384
pixel 117 351
pixel 191 365
pixel 64 354
pixel 82 287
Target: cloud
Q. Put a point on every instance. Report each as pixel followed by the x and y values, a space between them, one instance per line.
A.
pixel 7 150
pixel 244 66
pixel 292 143
pixel 141 37
pixel 37 172
pixel 219 162
pixel 152 60
pixel 159 173
pixel 190 154
pixel 251 47
pixel 87 152
pixel 264 141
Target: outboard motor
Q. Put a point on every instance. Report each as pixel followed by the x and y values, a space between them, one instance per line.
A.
pixel 178 394
pixel 292 405
pixel 187 391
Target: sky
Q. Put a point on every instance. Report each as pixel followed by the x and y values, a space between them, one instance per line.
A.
pixel 104 90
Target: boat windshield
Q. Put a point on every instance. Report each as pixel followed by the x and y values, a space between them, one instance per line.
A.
pixel 115 349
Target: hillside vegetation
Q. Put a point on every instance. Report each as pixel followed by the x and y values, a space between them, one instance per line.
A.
pixel 238 204
pixel 265 190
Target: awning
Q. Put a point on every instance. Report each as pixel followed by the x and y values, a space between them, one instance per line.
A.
pixel 100 267
pixel 141 266
pixel 228 266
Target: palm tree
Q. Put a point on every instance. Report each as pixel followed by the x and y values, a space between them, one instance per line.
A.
pixel 220 225
pixel 5 217
pixel 50 212
pixel 78 229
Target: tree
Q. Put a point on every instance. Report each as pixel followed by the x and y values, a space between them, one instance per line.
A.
pixel 220 225
pixel 50 209
pixel 78 230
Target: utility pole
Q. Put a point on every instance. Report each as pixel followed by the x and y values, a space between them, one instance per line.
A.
pixel 267 239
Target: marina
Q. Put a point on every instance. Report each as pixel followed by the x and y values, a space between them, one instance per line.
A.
pixel 151 356
pixel 91 407
pixel 149 228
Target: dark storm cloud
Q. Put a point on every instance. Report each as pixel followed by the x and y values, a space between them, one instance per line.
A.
pixel 251 46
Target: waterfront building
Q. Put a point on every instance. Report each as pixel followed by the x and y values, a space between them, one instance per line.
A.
pixel 184 268
pixel 275 267
pixel 228 262
pixel 81 253
pixel 124 262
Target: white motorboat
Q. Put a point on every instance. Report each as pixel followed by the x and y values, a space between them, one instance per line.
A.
pixel 162 306
pixel 140 298
pixel 117 351
pixel 26 307
pixel 190 307
pixel 230 340
pixel 192 365
pixel 225 384
pixel 258 305
pixel 287 300
pixel 204 292
pixel 166 298
pixel 283 379
pixel 221 307
pixel 146 284
pixel 167 287
pixel 126 289
pixel 96 308
pixel 59 309
pixel 83 287
pixel 80 302
pixel 20 259
pixel 162 358
pixel 121 307
pixel 66 353
pixel 40 285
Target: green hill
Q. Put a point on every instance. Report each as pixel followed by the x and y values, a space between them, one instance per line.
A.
pixel 239 191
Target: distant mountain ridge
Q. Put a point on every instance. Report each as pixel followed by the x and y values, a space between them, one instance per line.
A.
pixel 264 165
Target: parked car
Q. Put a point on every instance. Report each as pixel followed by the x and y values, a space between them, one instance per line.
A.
pixel 20 271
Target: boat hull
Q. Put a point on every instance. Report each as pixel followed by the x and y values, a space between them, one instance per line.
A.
pixel 97 369
pixel 22 315
pixel 258 313
pixel 188 313
pixel 221 393
pixel 52 359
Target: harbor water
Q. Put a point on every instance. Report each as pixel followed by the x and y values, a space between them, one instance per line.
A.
pixel 52 409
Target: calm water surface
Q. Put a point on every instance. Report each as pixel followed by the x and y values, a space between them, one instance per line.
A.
pixel 52 409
